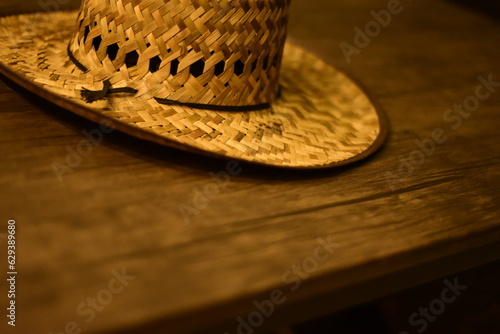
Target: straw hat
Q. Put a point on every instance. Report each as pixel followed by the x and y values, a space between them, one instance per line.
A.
pixel 215 77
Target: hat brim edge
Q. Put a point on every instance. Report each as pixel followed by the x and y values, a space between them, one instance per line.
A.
pixel 96 117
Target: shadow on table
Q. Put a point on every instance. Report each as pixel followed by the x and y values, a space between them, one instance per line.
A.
pixel 486 7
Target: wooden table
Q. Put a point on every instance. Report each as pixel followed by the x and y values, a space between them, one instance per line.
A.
pixel 118 211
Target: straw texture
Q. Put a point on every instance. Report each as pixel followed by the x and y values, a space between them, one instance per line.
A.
pixel 204 51
pixel 321 118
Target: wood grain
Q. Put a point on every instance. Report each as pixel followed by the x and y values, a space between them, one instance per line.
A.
pixel 119 208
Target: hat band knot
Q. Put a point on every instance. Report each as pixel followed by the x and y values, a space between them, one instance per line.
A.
pixel 90 96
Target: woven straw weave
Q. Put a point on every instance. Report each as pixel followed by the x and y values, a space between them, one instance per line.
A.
pixel 205 51
pixel 321 118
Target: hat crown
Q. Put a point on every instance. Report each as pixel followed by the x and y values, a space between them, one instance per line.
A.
pixel 215 52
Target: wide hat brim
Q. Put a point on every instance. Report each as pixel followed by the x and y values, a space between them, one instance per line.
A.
pixel 321 119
